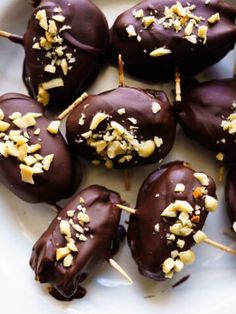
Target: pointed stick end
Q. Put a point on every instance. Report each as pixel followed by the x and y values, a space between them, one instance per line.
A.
pixel 126 208
pixel 117 267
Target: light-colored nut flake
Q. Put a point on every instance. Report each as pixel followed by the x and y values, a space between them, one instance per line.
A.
pixel 47 161
pixel 210 203
pixel 187 257
pixel 180 187
pixel 41 16
pixel 1 114
pixel 156 107
pixel 25 121
pixel 138 14
pixel 146 149
pixel 220 156
pixel 33 148
pixel 202 33
pixel 72 247
pixel 168 265
pixel 131 31
pixel 178 265
pixel 62 252
pixel 180 243
pixel 4 126
pixel 26 174
pixel 59 18
pixel 148 20
pixel 157 228
pixel 97 119
pixel 68 260
pixel 199 237
pixel 202 178
pixel 234 226
pixel 64 66
pixel 158 141
pixel 159 52
pixel 54 83
pixel 30 160
pixel 189 29
pixel 54 126
pixel 43 96
pixel 83 218
pixel 50 68
pixel 121 111
pixel 229 124
pixel 65 228
pixel 214 18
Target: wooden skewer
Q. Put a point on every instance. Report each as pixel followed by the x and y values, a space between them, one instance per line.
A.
pixel 207 240
pixel 221 173
pixel 220 246
pixel 177 86
pixel 13 37
pixel 5 34
pixel 121 71
pixel 117 267
pixel 72 106
pixel 126 208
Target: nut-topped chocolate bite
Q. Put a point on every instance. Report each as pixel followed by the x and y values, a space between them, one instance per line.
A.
pixel 65 44
pixel 172 206
pixel 230 195
pixel 156 36
pixel 207 114
pixel 35 161
pixel 77 241
pixel 122 127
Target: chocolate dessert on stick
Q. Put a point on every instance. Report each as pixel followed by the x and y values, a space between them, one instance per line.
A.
pixel 65 44
pixel 156 36
pixel 77 241
pixel 35 161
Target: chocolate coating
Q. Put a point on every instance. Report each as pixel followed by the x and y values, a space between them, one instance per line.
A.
pixel 149 248
pixel 203 109
pixel 136 104
pixel 230 194
pixel 188 57
pixel 62 178
pixel 104 219
pixel 86 40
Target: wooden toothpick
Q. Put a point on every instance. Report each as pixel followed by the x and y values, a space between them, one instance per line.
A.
pixel 117 267
pixel 177 86
pixel 126 208
pixel 72 106
pixel 121 71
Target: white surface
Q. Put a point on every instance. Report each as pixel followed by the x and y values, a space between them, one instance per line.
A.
pixel 211 287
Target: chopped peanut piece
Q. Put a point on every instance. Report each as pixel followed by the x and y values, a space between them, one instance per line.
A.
pixel 26 174
pixel 54 126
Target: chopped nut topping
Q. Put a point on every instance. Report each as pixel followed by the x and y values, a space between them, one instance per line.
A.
pixel 156 107
pixel 54 126
pixel 199 237
pixel 43 96
pixel 168 265
pixel 65 228
pixel 234 226
pixel 210 203
pixel 159 52
pixel 148 21
pixel 42 17
pixel 202 178
pixel 121 111
pixel 50 68
pixel 131 31
pixel 59 18
pixel 157 228
pixel 138 14
pixel 62 252
pixel 178 205
pixel 180 243
pixel 26 174
pixel 97 119
pixel 68 260
pixel 25 121
pixel 4 126
pixel 54 83
pixel 72 247
pixel 147 148
pixel 214 18
pixel 198 192
pixel 180 187
pixel 229 124
pixel 202 33
pixel 220 156
pixel 187 257
pixel 83 218
pixel 46 162
pixel 1 114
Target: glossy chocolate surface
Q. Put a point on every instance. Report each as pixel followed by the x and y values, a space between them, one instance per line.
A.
pixel 83 41
pixel 50 186
pixel 102 228
pixel 149 248
pixel 205 106
pixel 230 194
pixel 136 116
pixel 187 56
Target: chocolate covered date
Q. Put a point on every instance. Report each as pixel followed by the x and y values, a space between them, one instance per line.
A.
pixel 35 161
pixel 65 43
pixel 208 115
pixel 157 36
pixel 172 206
pixel 122 128
pixel 77 241
pixel 230 195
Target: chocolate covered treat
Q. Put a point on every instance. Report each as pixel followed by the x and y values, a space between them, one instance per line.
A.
pixel 230 195
pixel 65 43
pixel 77 241
pixel 122 128
pixel 172 206
pixel 35 161
pixel 157 36
pixel 208 115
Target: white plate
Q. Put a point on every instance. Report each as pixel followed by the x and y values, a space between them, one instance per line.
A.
pixel 212 285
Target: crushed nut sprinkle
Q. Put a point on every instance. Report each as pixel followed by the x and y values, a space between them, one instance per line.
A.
pixel 114 141
pixel 229 124
pixel 15 143
pixel 59 55
pixel 73 229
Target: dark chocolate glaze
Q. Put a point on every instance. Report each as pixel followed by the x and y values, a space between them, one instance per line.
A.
pixel 230 193
pixel 150 249
pixel 104 219
pixel 62 178
pixel 202 110
pixel 137 104
pixel 87 40
pixel 189 58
